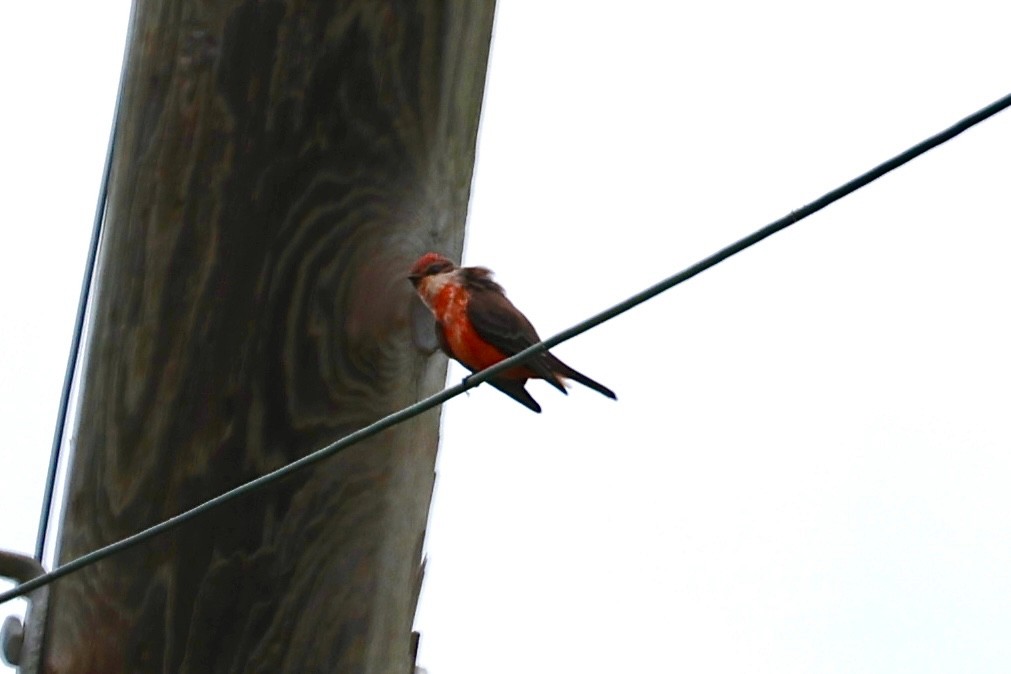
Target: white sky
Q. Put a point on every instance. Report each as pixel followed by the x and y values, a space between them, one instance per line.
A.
pixel 808 466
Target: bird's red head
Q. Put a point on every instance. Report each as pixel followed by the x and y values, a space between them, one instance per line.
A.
pixel 429 264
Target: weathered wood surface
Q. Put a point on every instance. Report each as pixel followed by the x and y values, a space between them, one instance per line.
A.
pixel 279 165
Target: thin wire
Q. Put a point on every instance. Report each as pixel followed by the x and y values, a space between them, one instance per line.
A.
pixel 82 307
pixel 75 349
pixel 479 377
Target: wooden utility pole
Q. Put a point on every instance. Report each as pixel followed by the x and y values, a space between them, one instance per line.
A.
pixel 279 165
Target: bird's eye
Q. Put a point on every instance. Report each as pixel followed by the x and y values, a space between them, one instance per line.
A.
pixel 433 269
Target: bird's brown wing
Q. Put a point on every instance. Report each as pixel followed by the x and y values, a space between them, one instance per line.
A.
pixel 502 325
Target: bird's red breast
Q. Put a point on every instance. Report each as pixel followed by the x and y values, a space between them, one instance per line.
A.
pixel 450 308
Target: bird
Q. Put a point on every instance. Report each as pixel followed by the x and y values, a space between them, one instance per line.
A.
pixel 478 326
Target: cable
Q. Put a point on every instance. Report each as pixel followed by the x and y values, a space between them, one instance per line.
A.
pixel 75 349
pixel 479 377
pixel 82 307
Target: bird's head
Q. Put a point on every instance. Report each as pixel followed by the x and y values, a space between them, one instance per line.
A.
pixel 429 264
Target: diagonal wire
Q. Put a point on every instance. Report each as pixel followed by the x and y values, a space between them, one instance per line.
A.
pixel 82 308
pixel 75 345
pixel 482 376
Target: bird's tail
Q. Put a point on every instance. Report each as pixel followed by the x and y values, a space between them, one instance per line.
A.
pixel 564 370
pixel 515 390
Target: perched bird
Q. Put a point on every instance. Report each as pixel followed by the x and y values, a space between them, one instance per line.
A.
pixel 477 325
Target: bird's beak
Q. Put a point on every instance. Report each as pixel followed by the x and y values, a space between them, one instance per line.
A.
pixel 414 278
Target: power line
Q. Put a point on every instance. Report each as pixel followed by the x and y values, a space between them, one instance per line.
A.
pixel 82 307
pixel 75 343
pixel 479 377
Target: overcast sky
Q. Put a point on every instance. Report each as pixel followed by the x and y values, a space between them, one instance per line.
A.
pixel 808 466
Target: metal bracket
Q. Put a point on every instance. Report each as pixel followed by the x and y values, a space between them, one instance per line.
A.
pixel 21 644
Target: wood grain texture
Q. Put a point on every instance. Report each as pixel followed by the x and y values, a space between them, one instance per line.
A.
pixel 279 165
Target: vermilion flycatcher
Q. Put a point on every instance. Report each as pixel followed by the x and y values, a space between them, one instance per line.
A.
pixel 477 325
